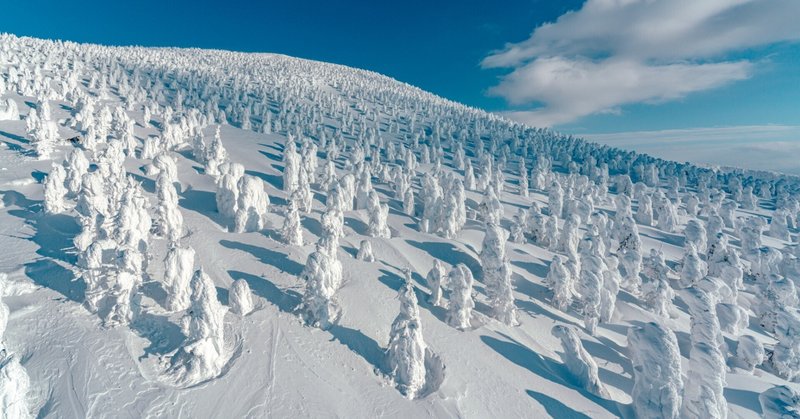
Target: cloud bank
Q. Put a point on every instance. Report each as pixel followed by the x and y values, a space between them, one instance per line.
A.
pixel 616 52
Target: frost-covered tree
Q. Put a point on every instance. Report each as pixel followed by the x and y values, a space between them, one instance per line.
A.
pixel 203 353
pixel 365 251
pixel 378 217
pixel 693 268
pixel 292 231
pixel 785 356
pixel 497 273
pixel 705 381
pixel 55 191
pixel 291 166
pixel 695 234
pixel 578 361
pixel 436 280
pixel 780 402
pixel 749 353
pixel 461 304
pixel 656 290
pixel 406 351
pixel 591 279
pixel 77 165
pixel 323 275
pixel 561 282
pixel 217 155
pixel 252 206
pixel 169 220
pixel 608 294
pixel 656 358
pixel 14 387
pixel 178 272
pixel 240 299
pixel 227 195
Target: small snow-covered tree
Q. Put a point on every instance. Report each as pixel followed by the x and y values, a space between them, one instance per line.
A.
pixel 693 268
pixel 178 271
pixel 54 190
pixel 252 206
pixel 217 155
pixel 240 299
pixel 365 251
pixel 591 280
pixel 695 234
pixel 406 351
pixel 461 304
pixel 292 231
pixel 378 217
pixel 77 165
pixel 780 402
pixel 291 166
pixel 561 282
pixel 749 353
pixel 319 307
pixel 497 273
pixel 656 359
pixel 169 218
pixel 608 294
pixel 435 279
pixel 578 361
pixel 656 290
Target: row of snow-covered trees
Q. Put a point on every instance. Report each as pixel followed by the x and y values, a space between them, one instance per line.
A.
pixel 431 153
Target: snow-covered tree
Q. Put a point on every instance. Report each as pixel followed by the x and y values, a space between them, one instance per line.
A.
pixel 378 217
pixel 749 353
pixel 561 282
pixel 656 290
pixel 435 279
pixel 252 206
pixel 461 304
pixel 169 218
pixel 178 272
pixel 365 251
pixel 217 155
pixel 203 353
pixel 693 268
pixel 14 387
pixel 406 351
pixel 291 166
pixel 705 381
pixel 656 358
pixel 54 190
pixel 780 402
pixel 240 299
pixel 578 361
pixel 292 231
pixel 497 273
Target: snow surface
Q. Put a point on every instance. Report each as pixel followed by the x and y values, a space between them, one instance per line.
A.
pixel 278 366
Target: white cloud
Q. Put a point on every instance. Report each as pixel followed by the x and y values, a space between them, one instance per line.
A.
pixel 764 147
pixel 615 52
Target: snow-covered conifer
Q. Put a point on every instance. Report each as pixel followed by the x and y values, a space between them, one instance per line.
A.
pixel 54 190
pixel 178 271
pixel 292 231
pixel 578 361
pixel 240 299
pixel 365 251
pixel 703 397
pixel 693 268
pixel 749 353
pixel 217 155
pixel 291 166
pixel 252 206
pixel 378 217
pixel 656 290
pixel 561 282
pixel 406 351
pixel 436 280
pixel 203 353
pixel 461 304
pixel 656 358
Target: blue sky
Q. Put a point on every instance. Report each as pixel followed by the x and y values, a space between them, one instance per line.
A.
pixel 568 64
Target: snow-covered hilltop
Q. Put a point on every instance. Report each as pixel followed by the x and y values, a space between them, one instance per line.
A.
pixel 192 233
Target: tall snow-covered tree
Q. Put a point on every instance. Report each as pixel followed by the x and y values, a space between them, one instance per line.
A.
pixel 406 351
pixel 656 358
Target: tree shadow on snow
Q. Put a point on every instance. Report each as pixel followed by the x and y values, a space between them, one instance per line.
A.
pixel 450 254
pixel 554 407
pixel 274 180
pixel 270 257
pixel 285 300
pixel 543 367
pixel 361 344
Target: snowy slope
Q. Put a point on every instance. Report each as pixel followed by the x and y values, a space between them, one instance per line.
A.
pixel 278 366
